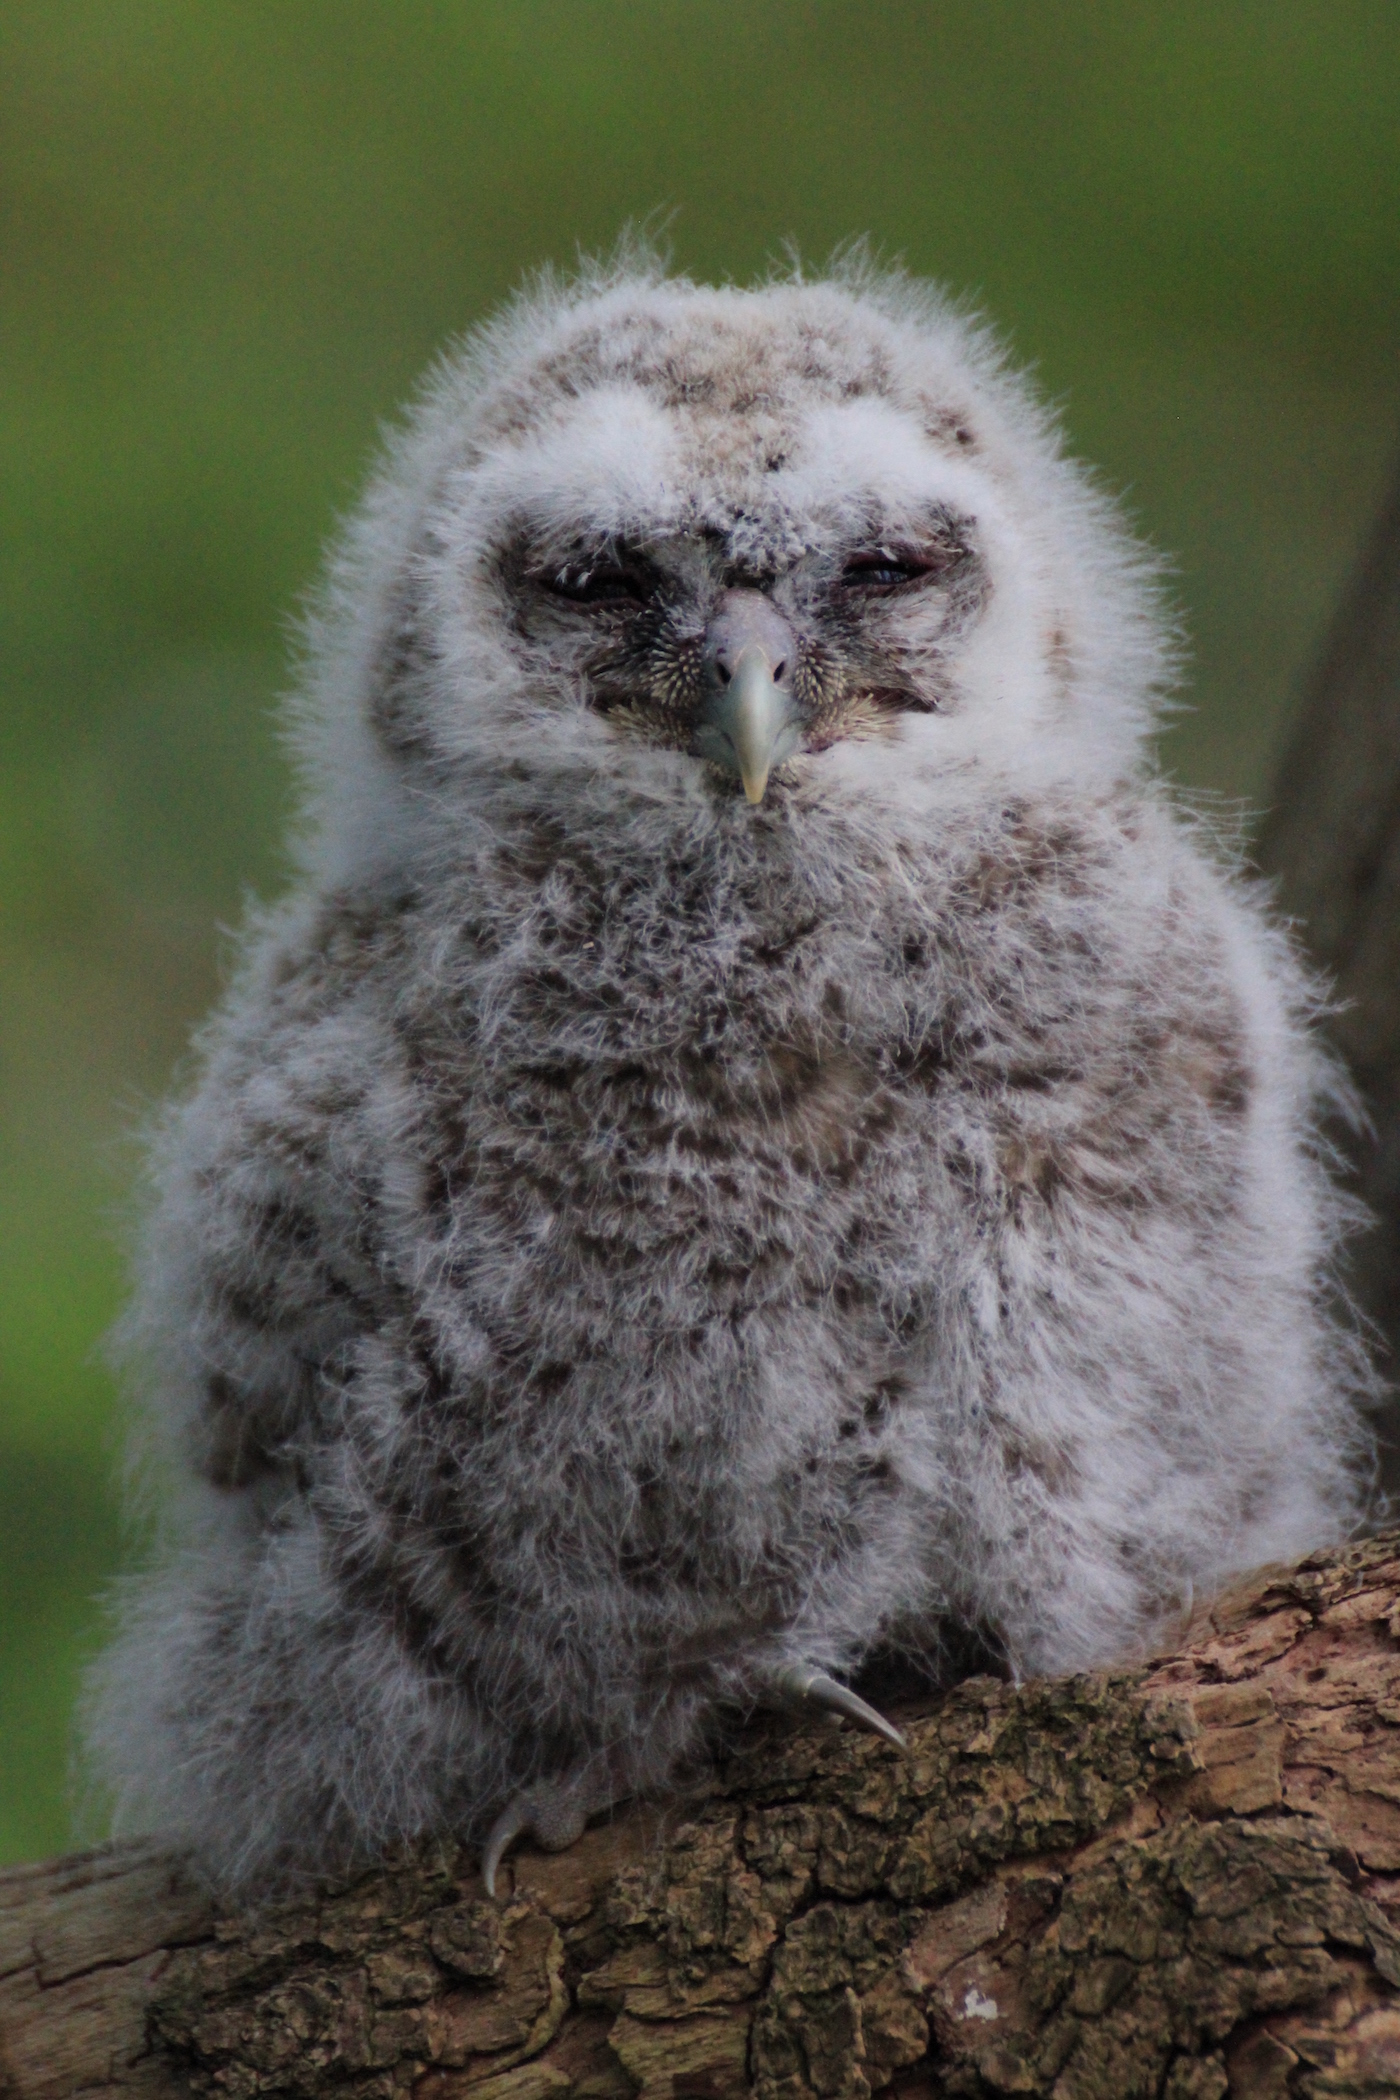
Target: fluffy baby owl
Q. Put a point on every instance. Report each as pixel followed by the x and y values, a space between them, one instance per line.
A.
pixel 761 1141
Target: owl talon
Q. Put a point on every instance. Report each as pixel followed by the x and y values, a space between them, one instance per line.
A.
pixel 513 1822
pixel 797 1682
pixel 554 1813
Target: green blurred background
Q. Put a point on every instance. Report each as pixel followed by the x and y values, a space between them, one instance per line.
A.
pixel 235 230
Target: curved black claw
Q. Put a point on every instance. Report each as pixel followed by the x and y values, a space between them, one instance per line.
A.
pixel 797 1681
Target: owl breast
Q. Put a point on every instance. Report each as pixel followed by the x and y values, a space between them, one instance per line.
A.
pixel 669 1255
pixel 716 1189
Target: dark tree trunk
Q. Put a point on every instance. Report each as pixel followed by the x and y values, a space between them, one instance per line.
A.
pixel 1332 840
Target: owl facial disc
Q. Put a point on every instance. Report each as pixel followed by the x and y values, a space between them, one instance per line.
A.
pixel 749 722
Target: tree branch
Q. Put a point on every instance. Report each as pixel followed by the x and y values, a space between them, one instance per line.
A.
pixel 1179 1880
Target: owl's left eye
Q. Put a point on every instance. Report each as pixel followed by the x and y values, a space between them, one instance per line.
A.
pixel 600 583
pixel 878 569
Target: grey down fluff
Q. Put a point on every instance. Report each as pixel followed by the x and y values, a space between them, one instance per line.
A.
pixel 628 1241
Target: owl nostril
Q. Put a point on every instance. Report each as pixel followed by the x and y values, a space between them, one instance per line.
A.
pixel 741 622
pixel 724 671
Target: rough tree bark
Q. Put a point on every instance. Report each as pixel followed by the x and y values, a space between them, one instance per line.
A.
pixel 1181 1880
pixel 1332 840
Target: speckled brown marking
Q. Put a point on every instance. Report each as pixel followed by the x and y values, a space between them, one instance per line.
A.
pixel 946 426
pixel 1059 660
pixel 710 367
pixel 349 937
pixel 1029 1167
pixel 1046 1462
pixel 451 1161
pixel 384 1591
pixel 832 1110
pixel 1211 1065
pixel 1029 856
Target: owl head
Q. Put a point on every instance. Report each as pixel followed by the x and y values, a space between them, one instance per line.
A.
pixel 665 545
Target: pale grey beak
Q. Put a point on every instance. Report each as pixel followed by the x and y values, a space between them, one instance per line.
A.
pixel 749 723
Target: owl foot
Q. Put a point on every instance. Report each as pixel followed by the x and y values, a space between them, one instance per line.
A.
pixel 554 1812
pixel 798 1681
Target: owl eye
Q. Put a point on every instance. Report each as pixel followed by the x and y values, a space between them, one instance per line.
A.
pixel 599 583
pixel 877 569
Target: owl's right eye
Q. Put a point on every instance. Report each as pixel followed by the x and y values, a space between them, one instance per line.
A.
pixel 599 583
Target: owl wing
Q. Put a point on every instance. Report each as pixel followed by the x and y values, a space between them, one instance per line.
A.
pixel 266 1264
